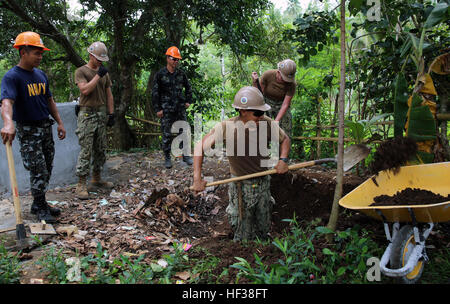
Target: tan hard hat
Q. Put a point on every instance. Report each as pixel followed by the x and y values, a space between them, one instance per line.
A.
pixel 287 70
pixel 250 98
pixel 98 50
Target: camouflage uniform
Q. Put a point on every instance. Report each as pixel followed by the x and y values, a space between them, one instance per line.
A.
pixel 167 95
pixel 257 208
pixel 38 150
pixel 286 121
pixel 91 132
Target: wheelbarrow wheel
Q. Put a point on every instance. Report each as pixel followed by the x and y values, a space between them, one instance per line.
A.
pixel 403 246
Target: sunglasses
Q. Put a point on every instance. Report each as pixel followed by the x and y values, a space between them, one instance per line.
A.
pixel 174 59
pixel 258 113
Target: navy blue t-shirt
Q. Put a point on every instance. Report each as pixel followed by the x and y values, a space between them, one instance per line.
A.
pixel 30 91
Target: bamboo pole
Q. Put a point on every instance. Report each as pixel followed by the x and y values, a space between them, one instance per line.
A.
pixel 144 120
pixel 334 126
pixel 443 116
pixel 149 134
pixel 320 138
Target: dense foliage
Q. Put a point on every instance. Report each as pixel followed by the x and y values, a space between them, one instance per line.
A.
pixel 222 42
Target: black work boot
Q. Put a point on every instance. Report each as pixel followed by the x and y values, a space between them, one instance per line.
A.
pixel 187 160
pixel 168 161
pixel 35 207
pixel 43 211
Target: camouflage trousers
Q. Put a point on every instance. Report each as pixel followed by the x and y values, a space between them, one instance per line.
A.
pixel 286 121
pixel 257 204
pixel 91 132
pixel 166 125
pixel 37 149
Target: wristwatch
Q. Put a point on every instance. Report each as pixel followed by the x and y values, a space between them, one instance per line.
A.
pixel 285 159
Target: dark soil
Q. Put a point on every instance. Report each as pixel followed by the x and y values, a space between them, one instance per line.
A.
pixel 308 193
pixel 392 154
pixel 410 196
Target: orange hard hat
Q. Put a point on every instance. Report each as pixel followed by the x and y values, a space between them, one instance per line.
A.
pixel 174 52
pixel 29 38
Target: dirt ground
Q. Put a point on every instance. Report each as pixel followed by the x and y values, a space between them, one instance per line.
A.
pixel 110 217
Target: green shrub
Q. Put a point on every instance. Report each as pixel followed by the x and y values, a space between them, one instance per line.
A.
pixel 9 267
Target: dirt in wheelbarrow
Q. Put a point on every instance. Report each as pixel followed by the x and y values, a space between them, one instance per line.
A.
pixel 410 196
pixel 392 154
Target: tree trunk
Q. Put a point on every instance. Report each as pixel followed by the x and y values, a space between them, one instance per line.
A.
pixel 123 135
pixel 149 113
pixel 332 222
pixel 122 73
pixel 319 130
pixel 333 121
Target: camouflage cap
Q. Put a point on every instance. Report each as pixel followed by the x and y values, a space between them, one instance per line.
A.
pixel 287 70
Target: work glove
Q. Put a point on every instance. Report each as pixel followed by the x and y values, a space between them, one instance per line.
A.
pixel 110 122
pixel 102 71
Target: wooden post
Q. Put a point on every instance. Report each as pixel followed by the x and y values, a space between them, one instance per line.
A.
pixel 332 222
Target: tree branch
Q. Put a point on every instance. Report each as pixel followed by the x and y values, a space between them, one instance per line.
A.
pixel 46 28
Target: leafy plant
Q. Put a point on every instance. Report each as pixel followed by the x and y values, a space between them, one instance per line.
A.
pixel 348 256
pixel 9 267
pixel 53 264
pixel 133 272
pixel 294 268
pixel 202 268
pixel 342 261
pixel 361 129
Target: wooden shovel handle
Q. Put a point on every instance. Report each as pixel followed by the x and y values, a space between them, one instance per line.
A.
pixel 271 171
pixel 13 181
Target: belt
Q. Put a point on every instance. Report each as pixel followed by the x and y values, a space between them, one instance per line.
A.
pixel 93 109
pixel 37 123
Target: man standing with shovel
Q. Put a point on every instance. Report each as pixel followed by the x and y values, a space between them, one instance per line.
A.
pixel 250 206
pixel 26 98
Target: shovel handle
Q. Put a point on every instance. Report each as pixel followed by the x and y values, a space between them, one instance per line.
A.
pixel 271 171
pixel 13 181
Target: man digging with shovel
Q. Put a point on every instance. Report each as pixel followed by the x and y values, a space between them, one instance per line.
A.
pixel 250 206
pixel 26 98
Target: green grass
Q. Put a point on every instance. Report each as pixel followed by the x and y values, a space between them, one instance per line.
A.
pixel 10 268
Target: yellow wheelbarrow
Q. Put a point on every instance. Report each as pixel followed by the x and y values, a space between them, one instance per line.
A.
pixel 406 250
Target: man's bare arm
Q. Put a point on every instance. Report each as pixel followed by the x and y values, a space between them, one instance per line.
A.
pixel 8 131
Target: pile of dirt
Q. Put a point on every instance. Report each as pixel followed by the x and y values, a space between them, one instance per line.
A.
pixel 410 196
pixel 306 192
pixel 392 154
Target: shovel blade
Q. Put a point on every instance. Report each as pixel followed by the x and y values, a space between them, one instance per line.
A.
pixel 354 154
pixel 37 228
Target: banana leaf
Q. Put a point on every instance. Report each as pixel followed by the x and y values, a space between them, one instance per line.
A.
pixel 357 130
pixel 424 157
pixel 400 104
pixel 421 122
pixel 437 14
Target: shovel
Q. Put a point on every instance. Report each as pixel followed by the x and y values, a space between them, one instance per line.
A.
pixel 21 234
pixel 20 228
pixel 352 155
